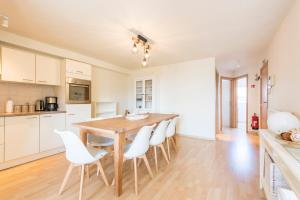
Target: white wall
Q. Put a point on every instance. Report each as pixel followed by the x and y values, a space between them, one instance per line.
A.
pixel 284 63
pixel 226 85
pixel 188 89
pixel 110 86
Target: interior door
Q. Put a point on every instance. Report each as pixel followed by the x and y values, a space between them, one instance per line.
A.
pixel 264 96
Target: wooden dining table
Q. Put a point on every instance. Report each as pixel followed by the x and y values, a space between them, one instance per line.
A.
pixel 117 129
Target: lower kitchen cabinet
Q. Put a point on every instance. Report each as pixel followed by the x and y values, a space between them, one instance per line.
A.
pixel 1 139
pixel 77 113
pixel 21 136
pixel 48 123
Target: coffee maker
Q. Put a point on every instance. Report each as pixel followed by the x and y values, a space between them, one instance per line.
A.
pixel 51 104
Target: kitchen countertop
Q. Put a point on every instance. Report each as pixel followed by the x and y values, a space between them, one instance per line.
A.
pixel 29 113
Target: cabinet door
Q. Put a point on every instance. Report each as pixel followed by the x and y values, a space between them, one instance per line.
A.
pixel 1 153
pixel 21 136
pixel 18 66
pixel 78 70
pixel 1 130
pixel 47 70
pixel 48 123
pixel 139 94
pixel 77 113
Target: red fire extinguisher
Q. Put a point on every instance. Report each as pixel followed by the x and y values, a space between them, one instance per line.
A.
pixel 255 122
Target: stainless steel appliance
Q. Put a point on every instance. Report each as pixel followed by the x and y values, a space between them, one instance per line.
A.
pixel 39 105
pixel 51 104
pixel 78 91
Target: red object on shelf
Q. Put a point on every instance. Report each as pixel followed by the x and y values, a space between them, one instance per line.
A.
pixel 255 122
pixel 253 86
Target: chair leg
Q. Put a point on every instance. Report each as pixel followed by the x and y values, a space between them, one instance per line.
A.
pixel 168 146
pixel 66 178
pixel 87 172
pixel 155 157
pixel 147 165
pixel 139 162
pixel 174 143
pixel 81 182
pixel 135 176
pixel 164 152
pixel 100 168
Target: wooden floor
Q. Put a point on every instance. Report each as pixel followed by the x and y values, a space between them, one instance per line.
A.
pixel 226 169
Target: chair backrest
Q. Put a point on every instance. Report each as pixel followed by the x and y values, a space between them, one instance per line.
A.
pixel 76 152
pixel 171 128
pixel 140 144
pixel 159 134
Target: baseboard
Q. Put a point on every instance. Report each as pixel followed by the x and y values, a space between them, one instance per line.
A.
pixel 196 137
pixel 13 163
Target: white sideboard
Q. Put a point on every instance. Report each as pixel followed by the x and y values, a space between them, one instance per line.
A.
pixel 281 161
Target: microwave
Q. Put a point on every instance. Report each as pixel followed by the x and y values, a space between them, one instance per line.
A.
pixel 78 91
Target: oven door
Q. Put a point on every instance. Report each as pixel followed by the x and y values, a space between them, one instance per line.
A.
pixel 78 91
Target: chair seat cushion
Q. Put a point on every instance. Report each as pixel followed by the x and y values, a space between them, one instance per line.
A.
pixel 98 141
pixel 96 153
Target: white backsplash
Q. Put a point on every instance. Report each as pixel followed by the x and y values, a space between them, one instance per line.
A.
pixel 22 93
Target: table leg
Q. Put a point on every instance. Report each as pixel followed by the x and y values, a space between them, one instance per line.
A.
pixel 119 142
pixel 83 136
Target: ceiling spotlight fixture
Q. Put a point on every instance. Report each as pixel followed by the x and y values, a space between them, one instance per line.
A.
pixel 147 53
pixel 144 62
pixel 145 44
pixel 4 22
pixel 134 48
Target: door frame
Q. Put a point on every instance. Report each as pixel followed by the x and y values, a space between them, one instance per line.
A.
pixel 265 65
pixel 221 100
pixel 233 105
pixel 247 114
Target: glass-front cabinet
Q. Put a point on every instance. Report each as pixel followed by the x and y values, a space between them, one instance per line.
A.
pixel 144 95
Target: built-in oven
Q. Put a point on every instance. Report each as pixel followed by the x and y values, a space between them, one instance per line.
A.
pixel 78 91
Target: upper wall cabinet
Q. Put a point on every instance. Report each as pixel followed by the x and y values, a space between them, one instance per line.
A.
pixel 17 65
pixel 47 70
pixel 78 70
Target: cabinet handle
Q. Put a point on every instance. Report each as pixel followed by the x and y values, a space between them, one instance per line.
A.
pixel 71 114
pixel 47 116
pixel 25 79
pixel 42 81
pixel 79 72
pixel 31 118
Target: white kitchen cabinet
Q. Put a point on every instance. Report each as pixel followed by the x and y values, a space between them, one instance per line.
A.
pixel 78 70
pixel 17 65
pixel 77 113
pixel 21 136
pixel 47 70
pixel 48 123
pixel 144 95
pixel 1 139
pixel 1 130
pixel 1 153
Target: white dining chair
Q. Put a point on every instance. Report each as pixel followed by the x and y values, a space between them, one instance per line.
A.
pixel 137 149
pixel 157 140
pixel 170 133
pixel 99 141
pixel 79 155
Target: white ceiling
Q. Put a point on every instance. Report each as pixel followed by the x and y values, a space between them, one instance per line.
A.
pixel 181 30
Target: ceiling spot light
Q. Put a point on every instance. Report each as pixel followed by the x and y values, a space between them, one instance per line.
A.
pixel 134 48
pixel 147 54
pixel 144 62
pixel 4 22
